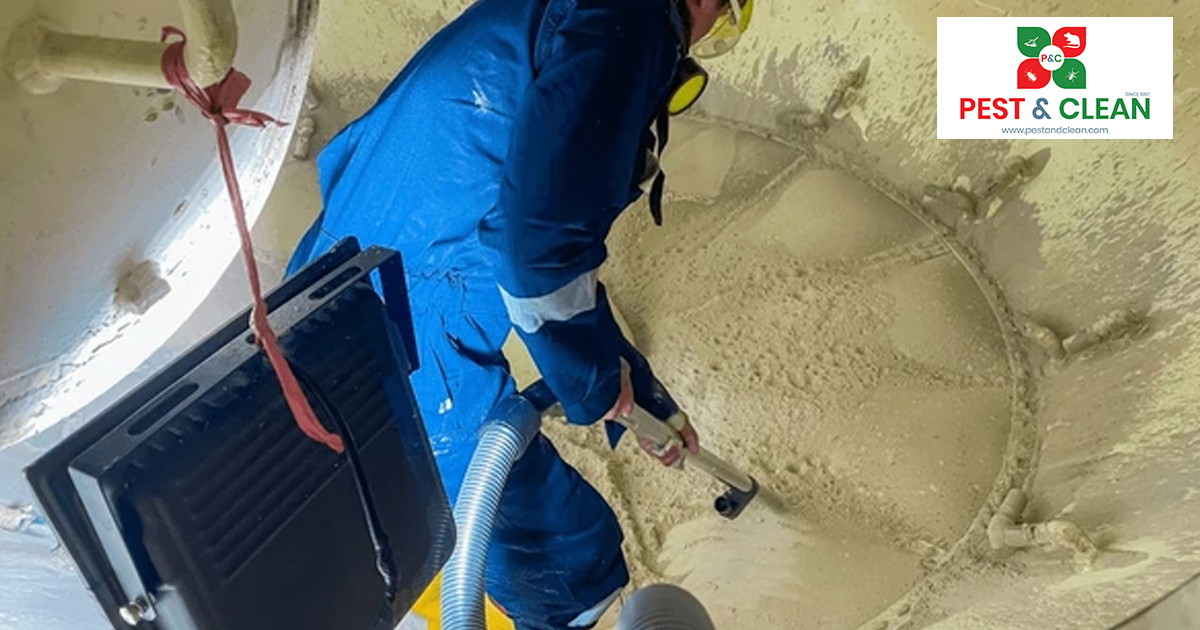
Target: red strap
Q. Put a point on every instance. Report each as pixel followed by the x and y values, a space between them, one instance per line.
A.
pixel 219 104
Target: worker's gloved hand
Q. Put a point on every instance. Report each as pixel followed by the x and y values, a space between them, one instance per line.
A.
pixel 640 388
pixel 655 397
pixel 671 455
pixel 624 405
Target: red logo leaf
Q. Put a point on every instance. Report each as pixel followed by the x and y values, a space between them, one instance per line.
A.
pixel 1072 40
pixel 1032 76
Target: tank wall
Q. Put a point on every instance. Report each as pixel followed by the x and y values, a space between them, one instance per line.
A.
pixel 94 179
pixel 100 184
pixel 1108 224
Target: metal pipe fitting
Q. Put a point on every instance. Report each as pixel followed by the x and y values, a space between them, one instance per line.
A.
pixel 302 145
pixel 1016 169
pixel 1117 323
pixel 1043 337
pixel 847 91
pixel 1005 531
pixel 211 27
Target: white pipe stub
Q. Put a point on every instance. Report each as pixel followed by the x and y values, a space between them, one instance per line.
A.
pixel 41 58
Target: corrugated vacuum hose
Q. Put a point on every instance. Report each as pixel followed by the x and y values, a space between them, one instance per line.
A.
pixel 510 428
pixel 663 607
pixel 513 424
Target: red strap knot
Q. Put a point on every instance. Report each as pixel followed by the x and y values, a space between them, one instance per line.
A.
pixel 217 102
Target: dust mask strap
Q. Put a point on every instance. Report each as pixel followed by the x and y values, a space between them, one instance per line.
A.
pixel 662 128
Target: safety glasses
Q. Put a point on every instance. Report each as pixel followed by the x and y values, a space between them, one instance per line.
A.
pixel 726 32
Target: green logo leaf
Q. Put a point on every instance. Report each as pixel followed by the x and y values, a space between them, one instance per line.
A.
pixel 1031 40
pixel 1071 76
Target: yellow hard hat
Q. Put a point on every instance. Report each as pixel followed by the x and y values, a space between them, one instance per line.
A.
pixel 726 31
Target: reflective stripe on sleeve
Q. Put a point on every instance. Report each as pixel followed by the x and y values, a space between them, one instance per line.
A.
pixel 575 297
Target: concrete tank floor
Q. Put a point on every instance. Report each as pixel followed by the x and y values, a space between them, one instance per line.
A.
pixel 820 336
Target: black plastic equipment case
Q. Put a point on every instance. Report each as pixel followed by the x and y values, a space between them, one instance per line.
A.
pixel 196 503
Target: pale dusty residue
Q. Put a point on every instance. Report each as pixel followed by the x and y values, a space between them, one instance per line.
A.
pixel 993 598
pixel 1144 553
pixel 98 178
pixel 768 572
pixel 1107 225
pixel 1120 218
pixel 363 47
pixel 795 54
pixel 822 342
pixel 1142 210
pixel 820 338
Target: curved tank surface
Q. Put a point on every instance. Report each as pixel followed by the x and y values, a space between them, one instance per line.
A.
pixel 971 366
pixel 115 222
pixel 115 225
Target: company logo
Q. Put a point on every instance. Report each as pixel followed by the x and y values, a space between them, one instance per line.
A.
pixel 1128 96
pixel 1051 58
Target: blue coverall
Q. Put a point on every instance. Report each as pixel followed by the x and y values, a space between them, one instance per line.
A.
pixel 496 163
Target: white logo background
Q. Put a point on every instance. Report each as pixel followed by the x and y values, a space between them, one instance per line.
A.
pixel 978 58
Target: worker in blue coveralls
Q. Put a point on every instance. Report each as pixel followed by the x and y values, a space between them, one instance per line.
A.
pixel 496 162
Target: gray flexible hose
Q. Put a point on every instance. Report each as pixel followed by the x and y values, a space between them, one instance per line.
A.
pixel 514 423
pixel 663 607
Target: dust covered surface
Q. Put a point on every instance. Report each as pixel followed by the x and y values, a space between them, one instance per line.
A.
pixel 1107 225
pixel 747 310
pixel 822 338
